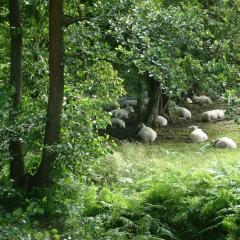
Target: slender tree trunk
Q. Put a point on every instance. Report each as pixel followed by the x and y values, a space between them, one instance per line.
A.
pixel 140 102
pixel 155 91
pixel 15 145
pixel 163 105
pixel 56 88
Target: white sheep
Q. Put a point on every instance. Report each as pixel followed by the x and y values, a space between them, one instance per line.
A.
pixel 122 113
pixel 145 101
pixel 122 100
pixel 202 99
pixel 189 100
pixel 224 142
pixel 161 121
pixel 183 112
pixel 117 122
pixel 211 115
pixel 220 114
pixel 132 103
pixel 238 111
pixel 198 135
pixel 147 134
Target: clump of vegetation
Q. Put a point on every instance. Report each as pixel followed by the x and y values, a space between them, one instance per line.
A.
pixel 62 177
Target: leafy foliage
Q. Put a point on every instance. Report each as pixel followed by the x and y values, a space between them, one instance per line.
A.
pixel 111 46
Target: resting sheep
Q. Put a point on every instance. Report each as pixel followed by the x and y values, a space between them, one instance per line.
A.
pixel 198 135
pixel 189 100
pixel 122 113
pixel 161 121
pixel 117 122
pixel 147 134
pixel 132 103
pixel 216 114
pixel 202 99
pixel 122 100
pixel 183 112
pixel 224 142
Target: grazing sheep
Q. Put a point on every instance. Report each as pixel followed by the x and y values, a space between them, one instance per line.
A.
pixel 117 122
pixel 147 134
pixel 122 113
pixel 132 103
pixel 198 135
pixel 161 121
pixel 189 100
pixel 202 99
pixel 183 112
pixel 216 114
pixel 224 142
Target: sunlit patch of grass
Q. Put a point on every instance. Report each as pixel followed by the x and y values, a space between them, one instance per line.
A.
pixel 173 149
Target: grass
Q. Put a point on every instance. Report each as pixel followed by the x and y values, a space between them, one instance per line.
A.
pixel 173 149
pixel 172 190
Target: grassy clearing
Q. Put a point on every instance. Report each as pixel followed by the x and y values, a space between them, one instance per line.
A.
pixel 173 149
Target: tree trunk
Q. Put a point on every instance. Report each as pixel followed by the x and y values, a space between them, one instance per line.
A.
pixel 56 90
pixel 164 105
pixel 140 102
pixel 155 91
pixel 15 145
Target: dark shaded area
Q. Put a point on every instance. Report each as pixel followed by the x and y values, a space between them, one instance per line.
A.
pixel 128 133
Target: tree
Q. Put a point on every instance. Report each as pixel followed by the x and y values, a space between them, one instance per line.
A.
pixel 56 91
pixel 15 145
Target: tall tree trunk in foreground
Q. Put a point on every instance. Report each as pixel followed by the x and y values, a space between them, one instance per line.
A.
pixel 56 87
pixel 15 145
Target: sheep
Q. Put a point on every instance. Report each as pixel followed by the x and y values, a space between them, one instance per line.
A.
pixel 145 101
pixel 216 114
pixel 189 100
pixel 147 134
pixel 122 100
pixel 122 113
pixel 220 114
pixel 238 111
pixel 198 135
pixel 132 103
pixel 183 112
pixel 117 122
pixel 224 142
pixel 202 99
pixel 161 121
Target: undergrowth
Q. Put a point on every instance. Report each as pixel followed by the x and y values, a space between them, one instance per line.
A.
pixel 176 204
pixel 170 191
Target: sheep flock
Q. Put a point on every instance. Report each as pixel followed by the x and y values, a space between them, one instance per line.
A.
pixel 196 134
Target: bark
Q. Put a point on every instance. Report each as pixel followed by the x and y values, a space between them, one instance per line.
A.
pixel 140 109
pixel 15 145
pixel 164 105
pixel 56 90
pixel 155 91
pixel 140 103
